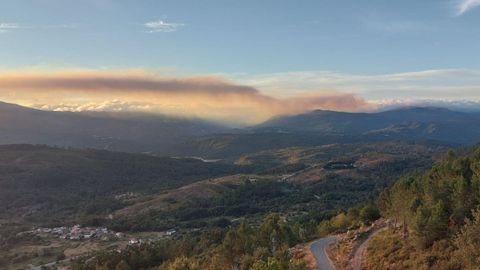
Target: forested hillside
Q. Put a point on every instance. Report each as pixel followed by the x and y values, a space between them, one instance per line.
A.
pixel 263 247
pixel 206 203
pixel 302 183
pixel 326 127
pixel 59 185
pixel 175 136
pixel 439 213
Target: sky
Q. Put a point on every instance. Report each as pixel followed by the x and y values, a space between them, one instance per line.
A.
pixel 241 61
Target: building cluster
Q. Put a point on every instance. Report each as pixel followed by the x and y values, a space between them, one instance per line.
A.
pixel 78 232
pixel 135 241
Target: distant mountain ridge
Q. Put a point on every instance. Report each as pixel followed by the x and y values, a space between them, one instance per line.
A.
pixel 326 127
pixel 130 132
pixel 170 136
pixel 409 123
pixel 345 121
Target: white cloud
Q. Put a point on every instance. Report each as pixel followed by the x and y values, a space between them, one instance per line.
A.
pixel 162 26
pixel 7 27
pixel 464 6
pixel 107 105
pixel 439 83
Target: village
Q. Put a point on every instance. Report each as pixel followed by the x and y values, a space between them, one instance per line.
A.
pixel 77 232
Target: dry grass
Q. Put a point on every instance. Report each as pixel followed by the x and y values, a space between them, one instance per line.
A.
pixel 343 252
pixel 81 249
pixel 304 252
pixel 199 190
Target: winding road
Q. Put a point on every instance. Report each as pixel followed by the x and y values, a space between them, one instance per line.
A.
pixel 319 250
pixel 356 262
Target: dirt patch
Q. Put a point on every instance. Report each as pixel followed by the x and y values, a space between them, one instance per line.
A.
pixel 349 251
pixel 35 248
pixel 174 198
pixel 303 252
pixel 81 249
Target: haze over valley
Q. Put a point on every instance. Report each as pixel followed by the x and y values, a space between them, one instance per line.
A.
pixel 252 135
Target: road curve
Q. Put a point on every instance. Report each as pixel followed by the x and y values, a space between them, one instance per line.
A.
pixel 357 260
pixel 319 250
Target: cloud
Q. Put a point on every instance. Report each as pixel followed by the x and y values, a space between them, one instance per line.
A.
pixel 205 97
pixel 162 26
pixel 7 27
pixel 463 6
pixel 438 83
pixel 114 105
pixel 243 98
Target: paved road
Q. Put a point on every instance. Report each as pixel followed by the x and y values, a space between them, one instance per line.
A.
pixel 356 262
pixel 319 250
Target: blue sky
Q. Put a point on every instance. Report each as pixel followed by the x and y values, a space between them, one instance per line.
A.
pixel 373 37
pixel 282 48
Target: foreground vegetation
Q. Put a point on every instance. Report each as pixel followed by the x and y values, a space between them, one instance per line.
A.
pixel 245 247
pixel 265 246
pixel 439 218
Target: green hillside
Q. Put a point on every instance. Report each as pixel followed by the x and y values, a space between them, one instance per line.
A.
pixel 439 215
pixel 56 185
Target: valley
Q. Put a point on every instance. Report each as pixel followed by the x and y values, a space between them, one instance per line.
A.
pixel 301 181
pixel 150 195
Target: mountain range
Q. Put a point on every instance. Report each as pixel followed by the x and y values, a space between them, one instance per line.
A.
pixel 170 136
pixel 200 178
pixel 129 132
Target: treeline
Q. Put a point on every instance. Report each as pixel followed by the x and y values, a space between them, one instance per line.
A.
pixel 69 185
pixel 351 219
pixel 264 246
pixel 309 202
pixel 437 211
pixel 261 247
